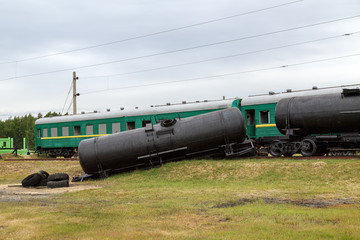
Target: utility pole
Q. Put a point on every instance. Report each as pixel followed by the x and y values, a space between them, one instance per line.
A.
pixel 75 94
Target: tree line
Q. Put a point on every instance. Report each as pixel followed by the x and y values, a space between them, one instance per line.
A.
pixel 22 127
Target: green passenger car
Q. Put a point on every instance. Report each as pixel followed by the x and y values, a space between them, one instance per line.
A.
pixel 60 136
pixel 259 114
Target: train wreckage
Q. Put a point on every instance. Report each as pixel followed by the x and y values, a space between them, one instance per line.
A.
pixel 216 134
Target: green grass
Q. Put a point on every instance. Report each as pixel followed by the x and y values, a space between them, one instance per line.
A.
pixel 199 199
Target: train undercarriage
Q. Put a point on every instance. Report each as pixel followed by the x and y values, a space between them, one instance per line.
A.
pixel 332 145
pixel 59 152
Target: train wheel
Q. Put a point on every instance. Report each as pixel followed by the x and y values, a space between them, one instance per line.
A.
pixel 308 148
pixel 68 153
pixel 275 148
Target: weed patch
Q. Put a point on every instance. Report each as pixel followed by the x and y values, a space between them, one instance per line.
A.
pixel 197 199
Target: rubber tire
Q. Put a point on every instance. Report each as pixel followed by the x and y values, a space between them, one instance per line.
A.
pixel 58 184
pixel 43 182
pixel 58 177
pixel 43 174
pixel 31 180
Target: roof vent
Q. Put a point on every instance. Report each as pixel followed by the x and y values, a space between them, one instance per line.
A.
pixel 108 110
pixel 82 112
pixel 136 107
pixel 121 108
pixel 152 106
pixel 271 93
pixel 288 90
pixel 315 88
pixel 168 103
pixel 183 102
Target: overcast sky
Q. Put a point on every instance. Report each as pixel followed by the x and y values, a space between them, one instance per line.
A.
pixel 46 39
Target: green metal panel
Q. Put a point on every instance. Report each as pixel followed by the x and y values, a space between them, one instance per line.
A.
pixel 236 103
pixel 7 146
pixel 260 129
pixel 6 142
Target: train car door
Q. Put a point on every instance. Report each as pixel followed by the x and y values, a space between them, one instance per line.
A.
pixel 250 122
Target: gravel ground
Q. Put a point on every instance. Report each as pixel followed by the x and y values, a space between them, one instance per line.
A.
pixel 17 193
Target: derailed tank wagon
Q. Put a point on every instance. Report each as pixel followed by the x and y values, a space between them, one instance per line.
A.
pixel 60 136
pixel 219 133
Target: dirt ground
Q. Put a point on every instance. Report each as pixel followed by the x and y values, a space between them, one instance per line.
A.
pixel 317 203
pixel 17 193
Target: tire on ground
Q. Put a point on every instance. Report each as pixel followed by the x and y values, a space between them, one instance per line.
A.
pixel 58 184
pixel 31 180
pixel 43 182
pixel 58 177
pixel 43 174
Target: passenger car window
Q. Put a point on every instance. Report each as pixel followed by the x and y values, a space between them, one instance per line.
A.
pixel 130 125
pixel 65 131
pixel 89 129
pixel 76 130
pixel 54 132
pixel 102 128
pixel 45 132
pixel 264 117
pixel 115 127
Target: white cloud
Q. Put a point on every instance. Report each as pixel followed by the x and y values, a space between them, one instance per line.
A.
pixel 36 28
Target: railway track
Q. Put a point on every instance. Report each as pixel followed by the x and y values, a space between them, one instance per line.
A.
pixel 309 158
pixel 255 157
pixel 40 159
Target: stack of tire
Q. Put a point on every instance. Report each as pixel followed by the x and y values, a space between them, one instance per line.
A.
pixel 42 178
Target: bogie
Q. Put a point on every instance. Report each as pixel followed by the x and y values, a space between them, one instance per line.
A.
pixel 61 152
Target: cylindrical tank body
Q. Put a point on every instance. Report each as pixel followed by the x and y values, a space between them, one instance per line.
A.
pixel 193 134
pixel 333 113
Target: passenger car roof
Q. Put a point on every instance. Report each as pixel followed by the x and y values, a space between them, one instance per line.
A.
pixel 276 97
pixel 182 107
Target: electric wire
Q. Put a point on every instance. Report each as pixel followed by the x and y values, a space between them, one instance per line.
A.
pixel 225 74
pixel 152 34
pixel 183 49
pixel 69 106
pixel 67 97
pixel 223 57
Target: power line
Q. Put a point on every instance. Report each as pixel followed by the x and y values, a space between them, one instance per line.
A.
pixel 69 106
pixel 226 74
pixel 153 34
pixel 67 97
pixel 225 57
pixel 183 49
